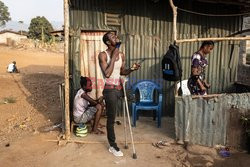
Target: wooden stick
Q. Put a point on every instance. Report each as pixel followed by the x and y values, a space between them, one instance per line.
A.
pixel 174 8
pixel 99 142
pixel 213 39
pixel 205 96
pixel 210 96
pixel 66 68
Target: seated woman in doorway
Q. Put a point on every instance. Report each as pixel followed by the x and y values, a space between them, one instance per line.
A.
pixel 87 109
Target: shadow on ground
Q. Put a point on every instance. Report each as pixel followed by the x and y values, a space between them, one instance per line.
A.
pixel 42 84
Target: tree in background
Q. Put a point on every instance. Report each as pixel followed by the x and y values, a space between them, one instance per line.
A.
pixel 40 28
pixel 4 14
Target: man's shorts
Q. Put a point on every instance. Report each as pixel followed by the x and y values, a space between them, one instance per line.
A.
pixel 86 116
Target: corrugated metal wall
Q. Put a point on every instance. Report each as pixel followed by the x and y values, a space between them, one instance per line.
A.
pixel 205 121
pixel 146 31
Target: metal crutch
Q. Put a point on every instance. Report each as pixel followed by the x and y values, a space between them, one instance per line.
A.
pixel 125 124
pixel 125 79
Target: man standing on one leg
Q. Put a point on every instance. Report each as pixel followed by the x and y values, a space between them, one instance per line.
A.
pixel 112 63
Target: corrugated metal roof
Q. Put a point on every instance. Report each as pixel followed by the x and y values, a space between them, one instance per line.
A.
pixel 146 31
pixel 204 121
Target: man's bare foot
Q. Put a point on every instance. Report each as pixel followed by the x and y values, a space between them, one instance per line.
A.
pixel 101 126
pixel 98 132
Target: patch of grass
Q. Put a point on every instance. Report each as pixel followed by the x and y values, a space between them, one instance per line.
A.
pixel 7 100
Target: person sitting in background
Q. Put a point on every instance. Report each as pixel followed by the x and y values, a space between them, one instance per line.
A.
pixel 12 68
pixel 87 109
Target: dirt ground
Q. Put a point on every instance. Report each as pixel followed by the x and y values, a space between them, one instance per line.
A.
pixel 30 100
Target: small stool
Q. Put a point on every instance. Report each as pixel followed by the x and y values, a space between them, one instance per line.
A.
pixel 73 124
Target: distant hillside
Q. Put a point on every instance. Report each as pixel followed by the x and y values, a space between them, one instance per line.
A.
pixel 15 26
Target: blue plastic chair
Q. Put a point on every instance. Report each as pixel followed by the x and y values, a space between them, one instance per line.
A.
pixel 146 89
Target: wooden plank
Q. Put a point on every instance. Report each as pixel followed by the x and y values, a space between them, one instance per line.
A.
pixel 206 96
pixel 99 142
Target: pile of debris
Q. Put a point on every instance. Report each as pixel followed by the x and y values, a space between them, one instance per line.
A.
pixel 36 44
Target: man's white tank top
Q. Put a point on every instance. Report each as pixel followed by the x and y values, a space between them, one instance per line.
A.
pixel 114 78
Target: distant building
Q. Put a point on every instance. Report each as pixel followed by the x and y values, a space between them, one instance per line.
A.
pixel 57 35
pixel 8 35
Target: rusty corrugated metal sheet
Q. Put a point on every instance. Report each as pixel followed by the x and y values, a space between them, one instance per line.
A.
pixel 91 46
pixel 87 14
pixel 204 121
pixel 146 30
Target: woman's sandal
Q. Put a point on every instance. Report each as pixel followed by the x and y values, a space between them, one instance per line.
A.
pixel 163 143
pixel 98 132
pixel 160 144
pixel 156 145
pixel 101 126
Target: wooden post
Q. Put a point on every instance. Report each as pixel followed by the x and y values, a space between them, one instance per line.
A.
pixel 66 68
pixel 213 39
pixel 174 8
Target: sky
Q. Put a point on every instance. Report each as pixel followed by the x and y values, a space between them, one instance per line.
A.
pixel 25 10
